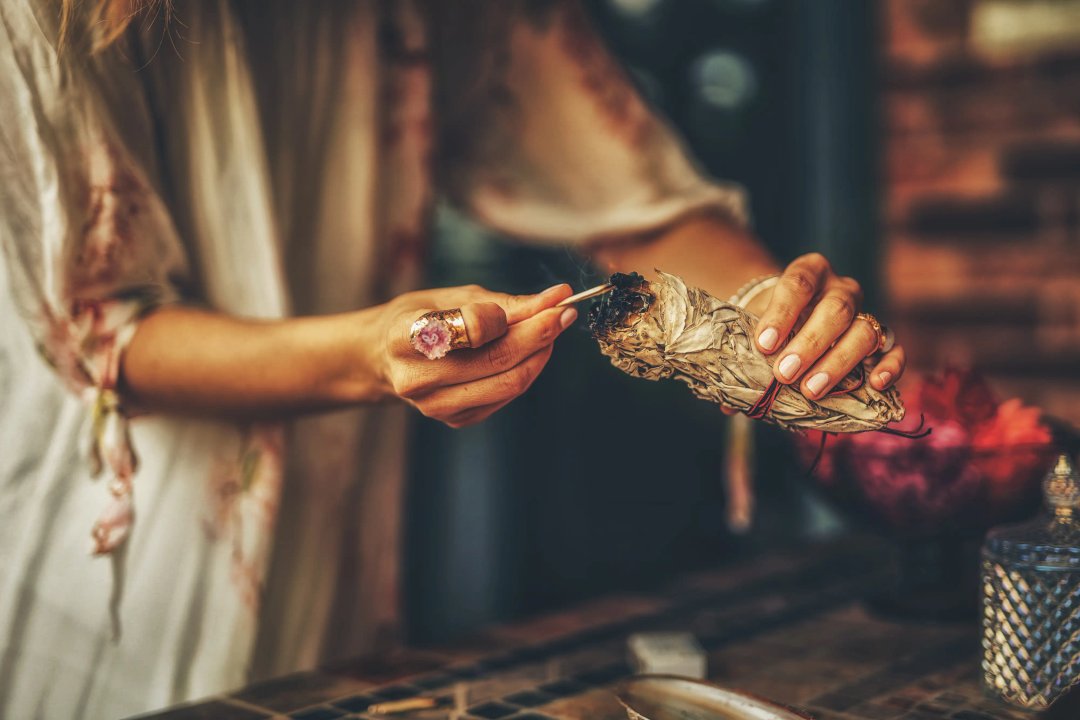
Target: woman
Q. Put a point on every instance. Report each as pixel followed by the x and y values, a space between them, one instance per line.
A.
pixel 218 218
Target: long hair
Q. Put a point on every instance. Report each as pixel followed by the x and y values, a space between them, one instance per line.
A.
pixel 103 23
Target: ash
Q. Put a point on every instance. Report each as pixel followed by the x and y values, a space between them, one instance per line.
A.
pixel 631 296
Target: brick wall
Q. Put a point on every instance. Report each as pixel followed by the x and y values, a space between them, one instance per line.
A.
pixel 982 201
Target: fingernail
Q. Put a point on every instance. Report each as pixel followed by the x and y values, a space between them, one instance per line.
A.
pixel 789 366
pixel 767 339
pixel 553 288
pixel 884 378
pixel 568 317
pixel 816 384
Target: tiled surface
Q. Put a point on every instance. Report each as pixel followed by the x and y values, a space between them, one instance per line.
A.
pixel 300 690
pixel 787 627
pixel 213 710
pixel 390 669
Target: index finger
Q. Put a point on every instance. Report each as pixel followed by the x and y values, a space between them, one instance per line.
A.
pixel 522 307
pixel 795 289
pixel 517 343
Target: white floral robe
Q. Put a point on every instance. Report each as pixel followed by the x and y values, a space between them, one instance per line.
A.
pixel 262 159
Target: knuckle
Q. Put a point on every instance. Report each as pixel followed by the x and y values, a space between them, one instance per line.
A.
pixel 547 333
pixel 856 290
pixel 515 382
pixel 509 304
pixel 842 360
pixel 396 307
pixel 408 383
pixel 850 284
pixel 500 356
pixel 398 335
pixel 800 283
pixel 785 312
pixel 815 259
pixel 840 306
pixel 813 340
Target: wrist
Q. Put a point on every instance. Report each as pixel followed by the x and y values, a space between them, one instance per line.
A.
pixel 358 375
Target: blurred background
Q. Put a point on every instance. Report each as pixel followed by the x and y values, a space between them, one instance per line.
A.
pixel 930 148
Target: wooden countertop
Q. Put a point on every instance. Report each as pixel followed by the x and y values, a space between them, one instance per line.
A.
pixel 787 626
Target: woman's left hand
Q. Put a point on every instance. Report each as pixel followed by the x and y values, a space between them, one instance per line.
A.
pixel 831 341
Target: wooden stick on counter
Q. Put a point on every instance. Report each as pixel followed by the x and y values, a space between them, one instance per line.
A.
pixel 400 706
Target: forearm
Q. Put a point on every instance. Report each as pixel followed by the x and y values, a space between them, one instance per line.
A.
pixel 187 360
pixel 707 251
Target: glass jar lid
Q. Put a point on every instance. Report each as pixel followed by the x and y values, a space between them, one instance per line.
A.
pixel 1062 489
pixel 1041 543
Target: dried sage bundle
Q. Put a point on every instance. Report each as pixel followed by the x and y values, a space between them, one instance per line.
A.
pixel 664 329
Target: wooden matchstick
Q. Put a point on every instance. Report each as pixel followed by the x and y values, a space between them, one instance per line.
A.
pixel 587 294
pixel 400 706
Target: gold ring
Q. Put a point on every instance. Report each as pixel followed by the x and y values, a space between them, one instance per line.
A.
pixel 438 332
pixel 885 339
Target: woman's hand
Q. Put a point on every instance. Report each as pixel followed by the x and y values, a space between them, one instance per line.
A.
pixel 194 361
pixel 709 252
pixel 831 341
pixel 511 339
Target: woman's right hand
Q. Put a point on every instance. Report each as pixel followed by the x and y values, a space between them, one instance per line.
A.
pixel 511 340
pixel 194 361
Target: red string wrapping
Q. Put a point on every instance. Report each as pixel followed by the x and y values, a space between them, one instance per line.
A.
pixel 764 403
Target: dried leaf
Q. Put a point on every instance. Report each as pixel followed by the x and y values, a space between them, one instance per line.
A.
pixel 664 329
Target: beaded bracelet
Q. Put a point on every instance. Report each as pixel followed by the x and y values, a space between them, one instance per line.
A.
pixel 752 289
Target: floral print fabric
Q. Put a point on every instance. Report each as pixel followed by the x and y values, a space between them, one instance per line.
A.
pixel 261 159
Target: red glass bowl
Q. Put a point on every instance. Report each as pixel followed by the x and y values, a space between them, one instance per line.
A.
pixel 917 489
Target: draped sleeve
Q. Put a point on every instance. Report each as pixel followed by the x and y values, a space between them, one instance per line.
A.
pixel 544 136
pixel 87 242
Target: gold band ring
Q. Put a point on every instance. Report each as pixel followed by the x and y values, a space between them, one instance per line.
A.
pixel 885 337
pixel 436 333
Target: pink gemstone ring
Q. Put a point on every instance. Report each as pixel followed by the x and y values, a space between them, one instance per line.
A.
pixel 436 333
